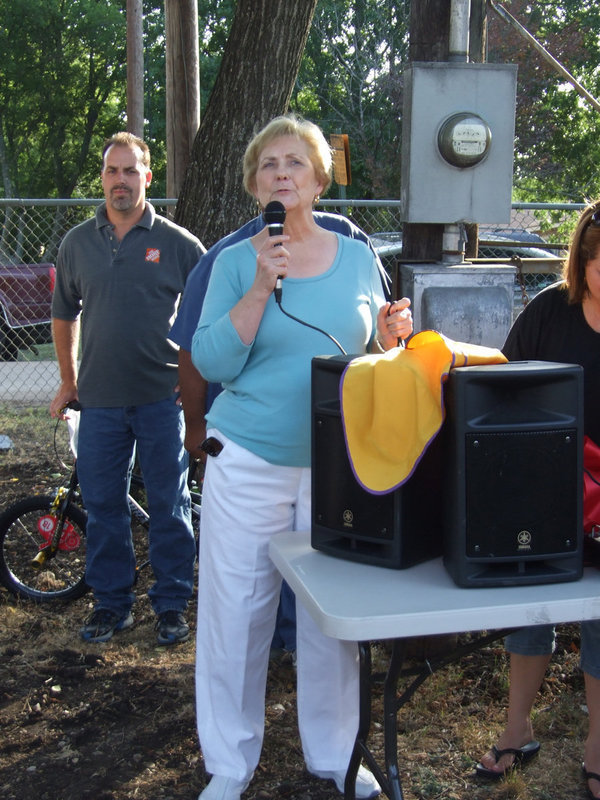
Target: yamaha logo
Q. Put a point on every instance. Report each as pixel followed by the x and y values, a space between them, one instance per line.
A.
pixel 524 540
pixel 348 518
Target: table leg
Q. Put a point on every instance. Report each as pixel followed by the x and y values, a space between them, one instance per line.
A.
pixel 393 787
pixel 390 780
pixel 364 721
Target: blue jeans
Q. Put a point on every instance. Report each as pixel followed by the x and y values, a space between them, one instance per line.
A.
pixel 284 637
pixel 108 438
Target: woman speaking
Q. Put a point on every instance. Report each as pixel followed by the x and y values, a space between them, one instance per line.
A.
pixel 257 480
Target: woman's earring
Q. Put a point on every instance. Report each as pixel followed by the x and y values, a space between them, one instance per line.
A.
pixel 316 200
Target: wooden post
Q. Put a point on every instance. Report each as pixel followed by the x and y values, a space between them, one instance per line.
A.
pixel 429 41
pixel 478 31
pixel 135 67
pixel 183 88
pixel 477 54
pixel 429 34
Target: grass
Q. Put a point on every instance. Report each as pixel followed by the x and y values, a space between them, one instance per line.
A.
pixel 32 465
pixel 451 721
pixel 32 431
pixel 42 352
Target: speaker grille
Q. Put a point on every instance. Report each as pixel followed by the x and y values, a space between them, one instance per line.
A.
pixel 342 504
pixel 521 493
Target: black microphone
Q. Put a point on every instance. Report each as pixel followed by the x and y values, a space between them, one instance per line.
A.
pixel 274 215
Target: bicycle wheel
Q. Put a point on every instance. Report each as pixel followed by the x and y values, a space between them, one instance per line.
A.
pixel 25 529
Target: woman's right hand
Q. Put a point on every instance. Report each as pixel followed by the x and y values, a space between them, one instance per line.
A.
pixel 271 263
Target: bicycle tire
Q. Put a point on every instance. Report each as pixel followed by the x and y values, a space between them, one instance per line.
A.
pixel 22 538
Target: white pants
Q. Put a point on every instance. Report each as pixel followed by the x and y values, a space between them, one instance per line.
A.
pixel 246 500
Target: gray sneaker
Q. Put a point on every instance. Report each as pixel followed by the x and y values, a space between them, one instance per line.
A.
pixel 172 627
pixel 102 623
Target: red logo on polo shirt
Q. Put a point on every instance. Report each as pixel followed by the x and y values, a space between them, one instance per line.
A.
pixel 153 254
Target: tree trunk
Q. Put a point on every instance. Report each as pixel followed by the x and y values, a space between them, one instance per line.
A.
pixel 254 84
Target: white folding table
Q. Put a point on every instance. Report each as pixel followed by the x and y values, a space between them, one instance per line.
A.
pixel 363 603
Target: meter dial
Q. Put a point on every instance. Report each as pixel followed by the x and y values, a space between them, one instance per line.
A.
pixel 464 139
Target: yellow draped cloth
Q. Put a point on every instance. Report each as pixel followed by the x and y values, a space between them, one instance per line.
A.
pixel 392 405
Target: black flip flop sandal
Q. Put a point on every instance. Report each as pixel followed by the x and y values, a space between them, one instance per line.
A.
pixel 522 756
pixel 588 776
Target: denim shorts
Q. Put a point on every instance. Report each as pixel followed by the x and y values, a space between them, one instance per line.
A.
pixel 539 640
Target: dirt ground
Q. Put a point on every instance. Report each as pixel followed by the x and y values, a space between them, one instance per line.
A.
pixel 117 721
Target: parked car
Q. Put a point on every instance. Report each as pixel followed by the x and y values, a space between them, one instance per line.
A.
pixel 494 243
pixel 25 301
pixel 509 242
pixel 503 243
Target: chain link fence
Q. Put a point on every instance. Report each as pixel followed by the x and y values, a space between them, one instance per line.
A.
pixel 31 232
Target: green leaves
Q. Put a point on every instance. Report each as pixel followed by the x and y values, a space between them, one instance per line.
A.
pixel 556 147
pixel 61 89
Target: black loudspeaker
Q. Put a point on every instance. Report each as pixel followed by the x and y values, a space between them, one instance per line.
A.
pixel 513 450
pixel 397 529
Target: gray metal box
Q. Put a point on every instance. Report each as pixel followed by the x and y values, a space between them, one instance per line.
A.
pixel 433 189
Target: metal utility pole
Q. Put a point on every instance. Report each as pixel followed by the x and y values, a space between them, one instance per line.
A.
pixel 183 88
pixel 135 67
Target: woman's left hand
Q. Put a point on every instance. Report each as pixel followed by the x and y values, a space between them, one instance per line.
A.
pixel 394 322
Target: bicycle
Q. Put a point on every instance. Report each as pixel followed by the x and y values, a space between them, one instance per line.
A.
pixel 43 538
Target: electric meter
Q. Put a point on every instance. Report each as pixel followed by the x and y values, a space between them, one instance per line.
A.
pixel 464 139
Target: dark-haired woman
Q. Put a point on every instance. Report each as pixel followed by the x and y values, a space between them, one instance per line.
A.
pixel 562 324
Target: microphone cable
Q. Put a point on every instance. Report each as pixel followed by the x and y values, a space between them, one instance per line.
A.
pixel 274 216
pixel 307 324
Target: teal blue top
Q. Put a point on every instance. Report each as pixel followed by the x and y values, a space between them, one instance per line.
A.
pixel 265 405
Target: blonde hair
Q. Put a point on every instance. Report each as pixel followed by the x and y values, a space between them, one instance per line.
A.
pixel 319 150
pixel 583 247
